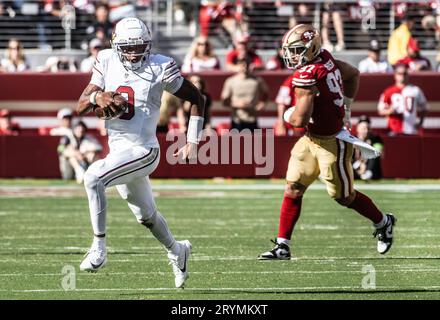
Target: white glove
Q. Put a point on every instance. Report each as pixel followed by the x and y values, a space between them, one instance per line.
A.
pixel 288 113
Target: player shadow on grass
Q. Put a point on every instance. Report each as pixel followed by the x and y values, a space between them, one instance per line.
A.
pixel 290 292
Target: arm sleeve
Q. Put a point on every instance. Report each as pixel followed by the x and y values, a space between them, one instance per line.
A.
pixel 172 79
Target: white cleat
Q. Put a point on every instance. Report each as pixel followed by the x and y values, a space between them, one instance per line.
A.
pixel 385 235
pixel 95 259
pixel 180 263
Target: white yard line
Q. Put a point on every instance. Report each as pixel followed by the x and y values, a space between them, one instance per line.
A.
pixel 275 289
pixel 243 187
pixel 220 272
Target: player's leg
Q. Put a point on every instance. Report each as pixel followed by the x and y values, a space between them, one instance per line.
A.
pixel 117 167
pixel 302 171
pixel 336 169
pixel 139 197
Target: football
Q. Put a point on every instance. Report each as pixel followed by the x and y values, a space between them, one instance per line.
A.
pixel 117 109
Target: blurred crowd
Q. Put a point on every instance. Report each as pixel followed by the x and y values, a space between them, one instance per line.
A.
pixel 244 93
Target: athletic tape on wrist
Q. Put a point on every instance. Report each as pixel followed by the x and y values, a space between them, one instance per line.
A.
pixel 195 127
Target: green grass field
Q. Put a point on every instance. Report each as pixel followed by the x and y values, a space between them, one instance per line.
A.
pixel 44 227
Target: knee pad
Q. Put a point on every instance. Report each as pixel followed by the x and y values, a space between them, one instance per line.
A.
pixel 148 222
pixel 346 201
pixel 294 189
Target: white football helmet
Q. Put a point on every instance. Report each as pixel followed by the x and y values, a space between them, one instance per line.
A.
pixel 131 40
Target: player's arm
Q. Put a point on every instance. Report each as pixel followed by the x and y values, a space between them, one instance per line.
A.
pixel 190 93
pixel 84 103
pixel 350 79
pixel 304 97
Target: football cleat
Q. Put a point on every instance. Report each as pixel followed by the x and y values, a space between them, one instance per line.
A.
pixel 180 263
pixel 281 251
pixel 95 259
pixel 385 235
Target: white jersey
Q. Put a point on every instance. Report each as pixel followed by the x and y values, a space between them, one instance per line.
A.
pixel 405 102
pixel 143 90
pixel 369 66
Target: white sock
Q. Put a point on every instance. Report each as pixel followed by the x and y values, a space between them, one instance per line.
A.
pixel 382 223
pixel 99 242
pixel 285 241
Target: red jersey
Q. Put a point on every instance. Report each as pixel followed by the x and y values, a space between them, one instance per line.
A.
pixel 328 106
pixel 415 64
pixel 404 102
pixel 286 93
pixel 232 58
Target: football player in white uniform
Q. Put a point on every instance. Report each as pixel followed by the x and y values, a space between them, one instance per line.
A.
pixel 129 69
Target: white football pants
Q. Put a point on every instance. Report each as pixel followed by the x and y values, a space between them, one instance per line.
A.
pixel 129 171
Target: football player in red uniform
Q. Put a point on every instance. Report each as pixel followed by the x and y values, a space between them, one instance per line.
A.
pixel 324 89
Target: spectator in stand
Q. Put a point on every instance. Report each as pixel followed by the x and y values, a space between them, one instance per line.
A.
pixel 335 11
pixel 185 111
pixel 414 61
pixel 8 127
pixel 15 60
pixel 95 46
pixel 221 12
pixel 101 28
pixel 401 103
pixel 79 150
pixel 242 51
pixel 276 62
pixel 374 63
pixel 302 14
pixel 168 105
pixel 398 41
pixel 285 99
pixel 437 59
pixel 59 64
pixel 246 94
pixel 200 57
pixel 120 9
pixel 367 169
pixel 64 128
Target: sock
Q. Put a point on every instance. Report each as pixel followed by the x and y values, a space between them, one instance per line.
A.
pixel 289 214
pixel 99 242
pixel 382 223
pixel 282 240
pixel 159 228
pixel 363 205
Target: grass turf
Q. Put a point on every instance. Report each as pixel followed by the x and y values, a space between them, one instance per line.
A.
pixel 332 246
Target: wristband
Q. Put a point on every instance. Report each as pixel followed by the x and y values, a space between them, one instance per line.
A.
pixel 347 101
pixel 299 131
pixel 195 127
pixel 92 97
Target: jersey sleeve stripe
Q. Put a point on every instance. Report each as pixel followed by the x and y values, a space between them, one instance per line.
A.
pixel 304 80
pixel 98 70
pixel 171 65
pixel 171 77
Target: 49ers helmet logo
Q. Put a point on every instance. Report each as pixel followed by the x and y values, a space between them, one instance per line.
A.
pixel 307 35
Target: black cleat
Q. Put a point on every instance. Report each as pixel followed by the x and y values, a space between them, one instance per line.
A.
pixel 385 235
pixel 281 251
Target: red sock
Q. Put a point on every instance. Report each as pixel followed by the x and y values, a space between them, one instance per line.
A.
pixel 366 207
pixel 289 214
